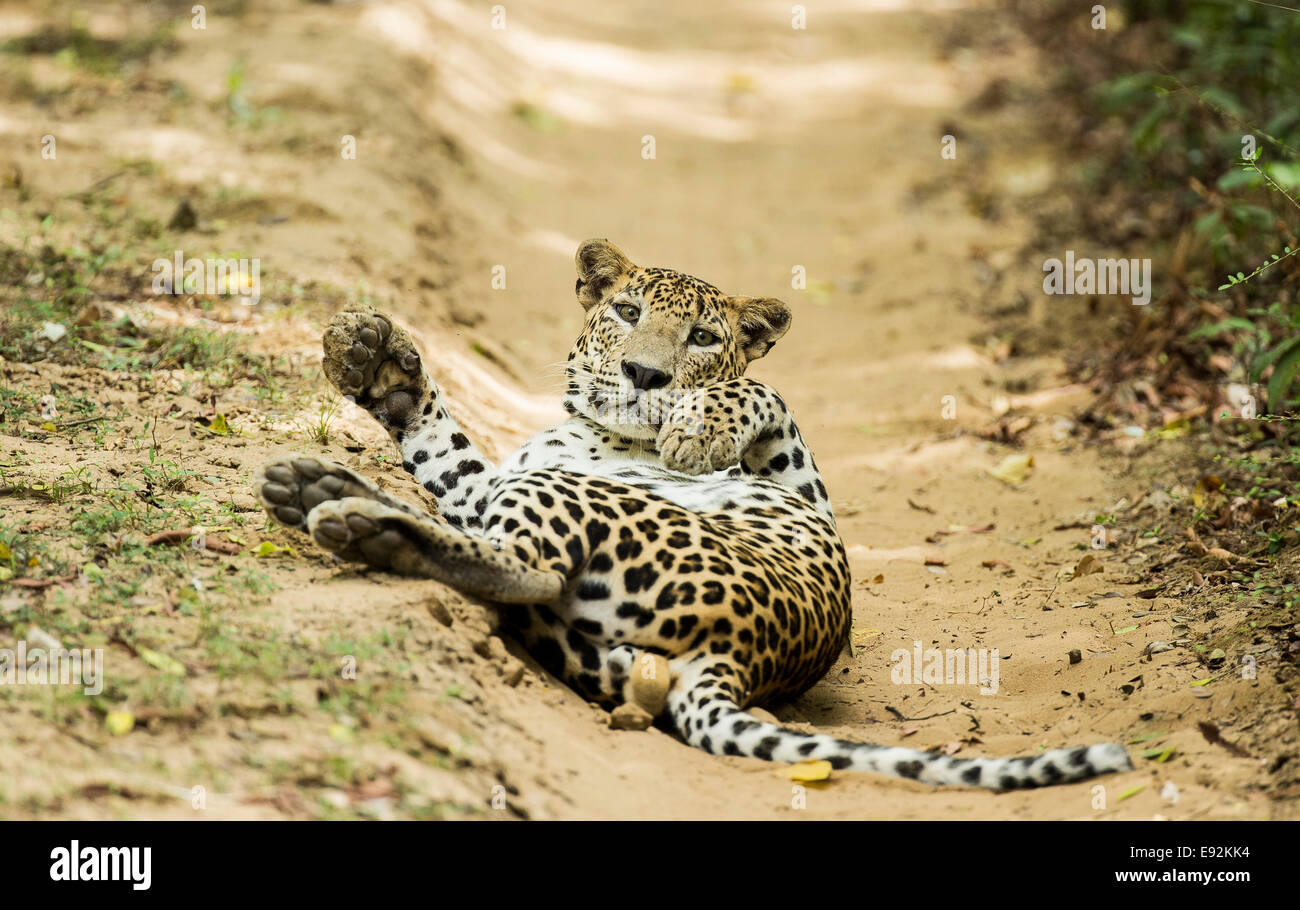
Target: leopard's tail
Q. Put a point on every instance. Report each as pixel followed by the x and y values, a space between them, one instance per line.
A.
pixel 705 713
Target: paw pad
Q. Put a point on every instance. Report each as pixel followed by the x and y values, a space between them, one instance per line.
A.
pixel 290 488
pixel 373 363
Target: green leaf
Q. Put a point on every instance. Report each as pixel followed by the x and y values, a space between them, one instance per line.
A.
pixel 168 665
pixel 266 548
pixel 1146 132
pixel 539 119
pixel 1131 791
pixel 1188 36
pixel 1146 738
pixel 1236 179
pixel 1223 99
pixel 1285 173
pixel 1126 90
pixel 1223 325
pixel 1284 370
pixel 1208 222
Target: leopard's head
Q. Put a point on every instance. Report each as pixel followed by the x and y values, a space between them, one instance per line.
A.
pixel 652 334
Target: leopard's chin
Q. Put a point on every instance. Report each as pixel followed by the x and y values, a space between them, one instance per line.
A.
pixel 636 416
pixel 640 431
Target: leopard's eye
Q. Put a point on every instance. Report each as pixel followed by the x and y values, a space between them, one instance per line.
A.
pixel 628 312
pixel 703 337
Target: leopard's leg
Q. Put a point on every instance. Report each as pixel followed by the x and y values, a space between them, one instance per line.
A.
pixel 370 532
pixel 608 674
pixel 373 360
pixel 742 421
pixel 782 455
pixel 291 486
pixel 580 637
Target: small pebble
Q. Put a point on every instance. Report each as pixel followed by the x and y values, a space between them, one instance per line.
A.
pixel 630 717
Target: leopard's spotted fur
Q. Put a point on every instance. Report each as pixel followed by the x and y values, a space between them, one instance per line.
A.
pixel 676 522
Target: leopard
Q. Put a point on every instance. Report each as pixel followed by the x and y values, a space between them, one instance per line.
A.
pixel 669 550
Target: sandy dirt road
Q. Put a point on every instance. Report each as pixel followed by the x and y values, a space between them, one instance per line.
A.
pixel 780 154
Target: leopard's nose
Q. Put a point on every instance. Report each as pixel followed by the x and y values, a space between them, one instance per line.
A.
pixel 644 377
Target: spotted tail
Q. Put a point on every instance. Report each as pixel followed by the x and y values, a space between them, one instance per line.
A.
pixel 708 718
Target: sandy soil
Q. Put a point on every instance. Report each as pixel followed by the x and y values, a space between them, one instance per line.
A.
pixel 779 154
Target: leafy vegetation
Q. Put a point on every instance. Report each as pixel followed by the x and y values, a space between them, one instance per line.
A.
pixel 75 46
pixel 1187 117
pixel 1184 120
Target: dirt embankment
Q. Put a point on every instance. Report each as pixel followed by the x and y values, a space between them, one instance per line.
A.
pixel 807 163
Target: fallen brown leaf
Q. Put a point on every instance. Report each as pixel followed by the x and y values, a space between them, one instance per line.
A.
pixel 1213 736
pixel 1089 565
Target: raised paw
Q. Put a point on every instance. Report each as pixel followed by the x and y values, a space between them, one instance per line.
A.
pixel 699 445
pixel 290 488
pixel 375 362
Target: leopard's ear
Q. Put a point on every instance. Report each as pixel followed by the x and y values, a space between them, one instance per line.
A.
pixel 760 322
pixel 602 269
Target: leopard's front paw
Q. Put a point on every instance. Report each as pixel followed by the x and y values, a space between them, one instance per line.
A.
pixel 375 362
pixel 698 445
